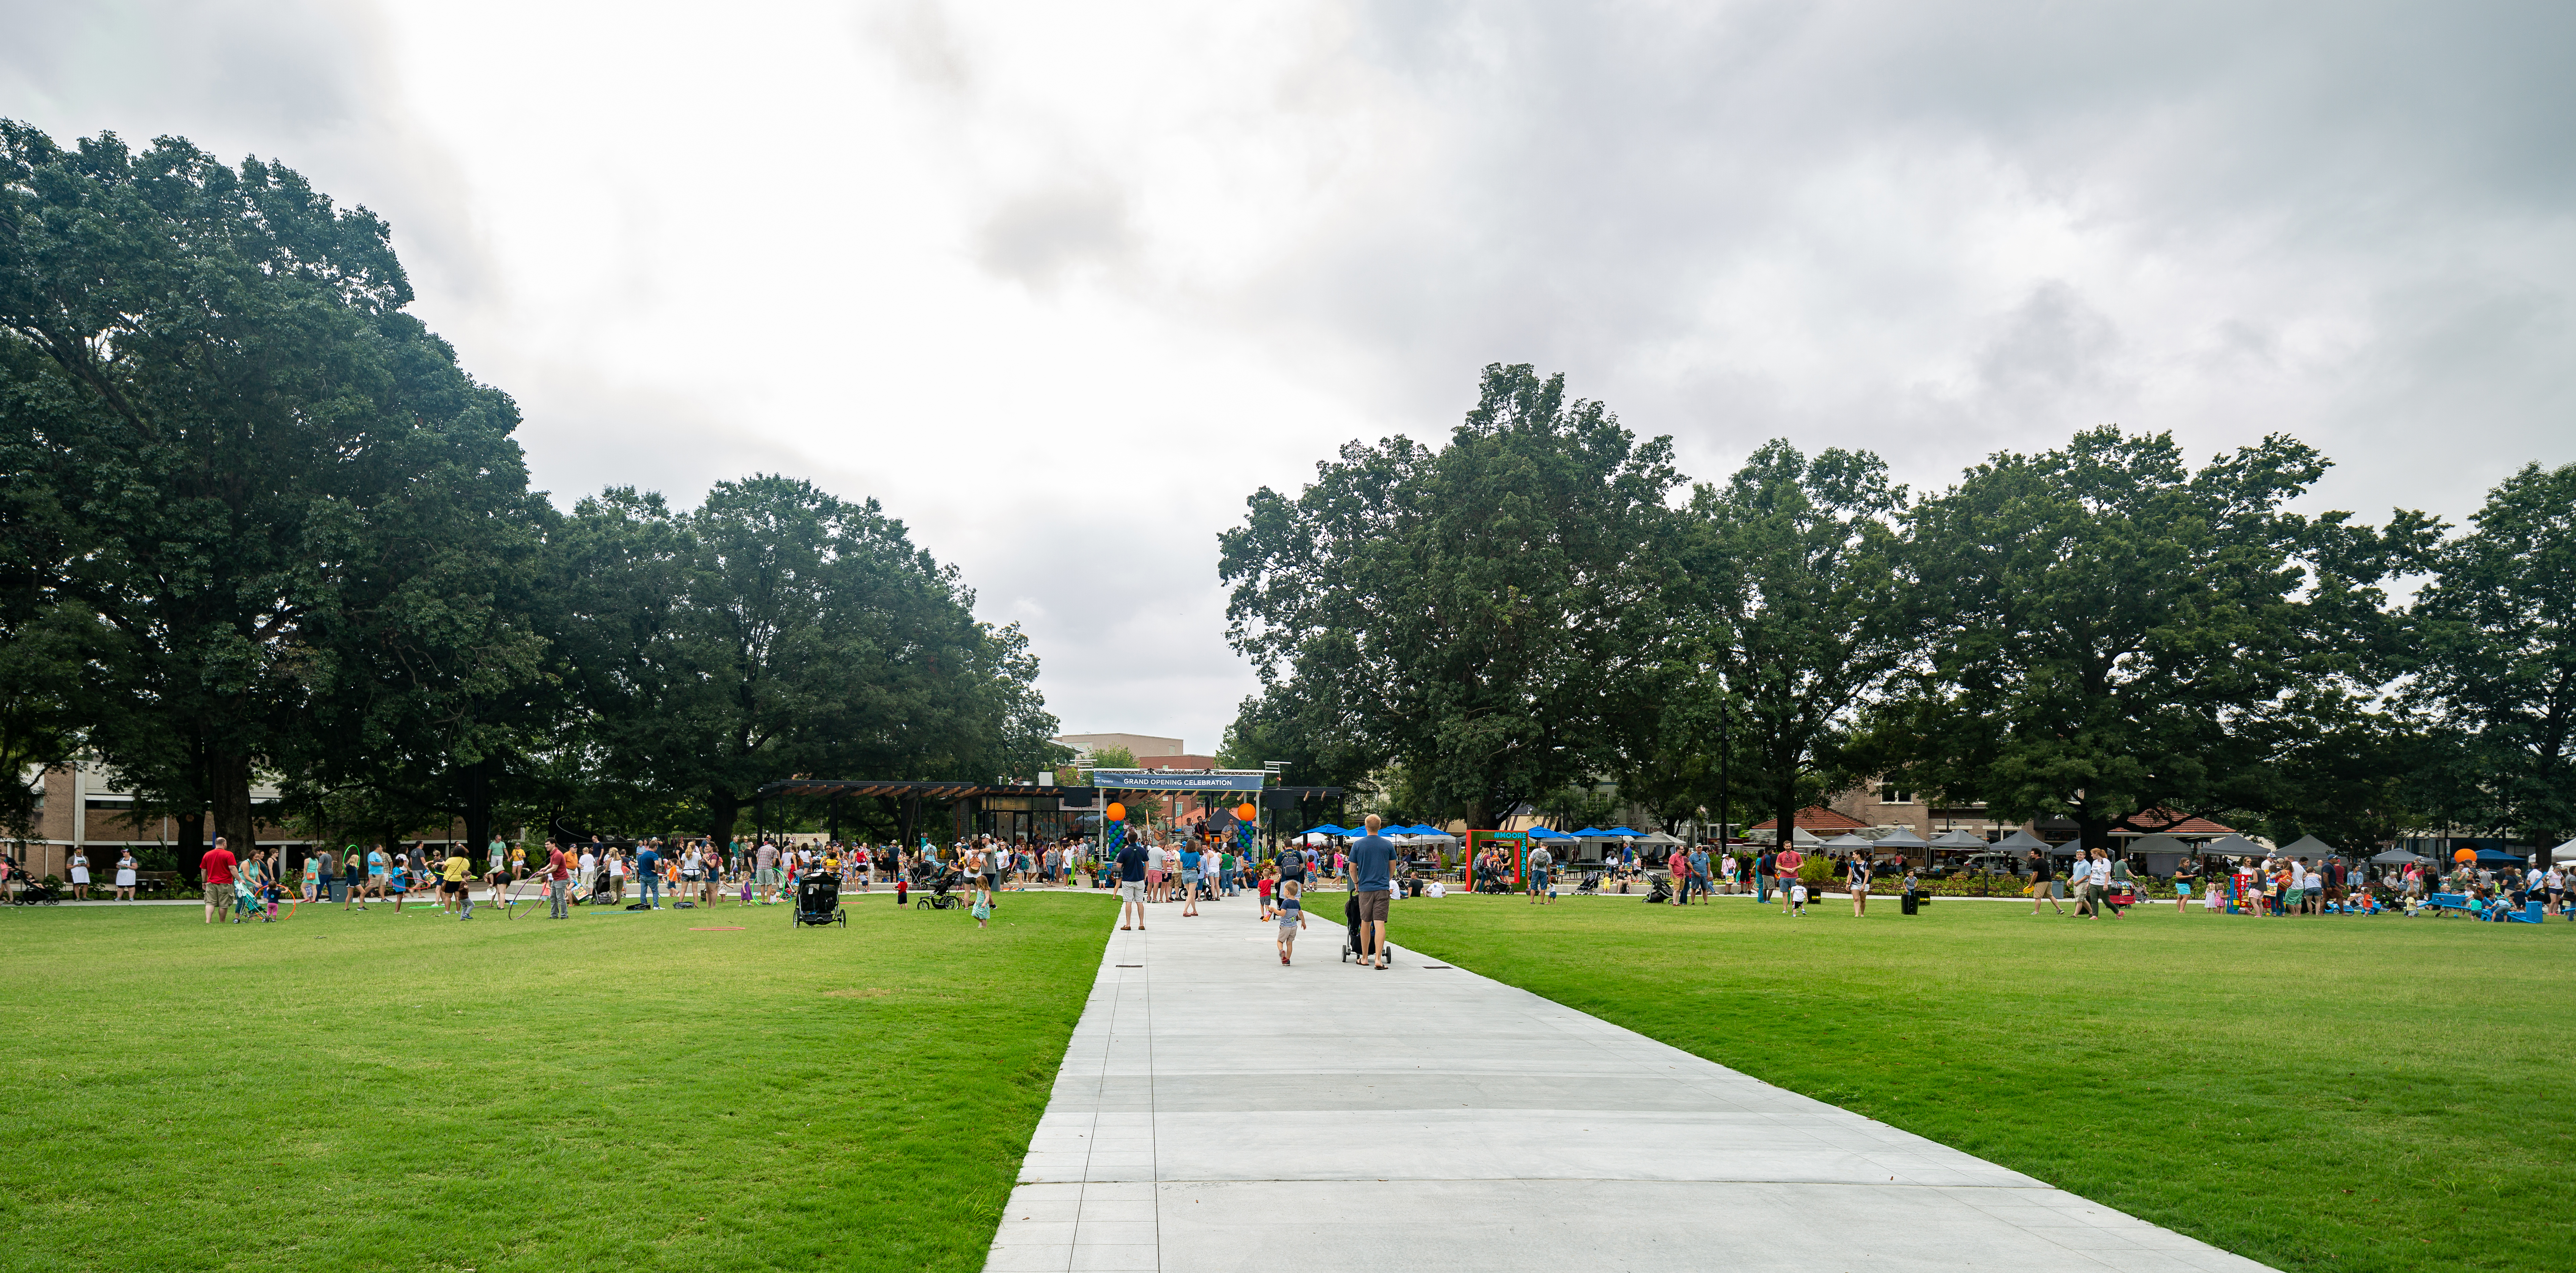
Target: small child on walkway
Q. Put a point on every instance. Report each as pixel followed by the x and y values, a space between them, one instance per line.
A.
pixel 1798 898
pixel 1267 882
pixel 1292 916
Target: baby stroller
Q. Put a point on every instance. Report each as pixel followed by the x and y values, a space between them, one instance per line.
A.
pixel 940 898
pixel 818 901
pixel 1661 893
pixel 1591 884
pixel 603 889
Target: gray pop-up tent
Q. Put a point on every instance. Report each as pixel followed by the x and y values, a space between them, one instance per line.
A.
pixel 2308 846
pixel 1960 840
pixel 2022 842
pixel 1903 842
pixel 2400 857
pixel 1844 843
pixel 2232 845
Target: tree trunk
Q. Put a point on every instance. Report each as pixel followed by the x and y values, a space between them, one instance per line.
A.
pixel 1786 806
pixel 722 809
pixel 188 840
pixel 228 790
pixel 475 797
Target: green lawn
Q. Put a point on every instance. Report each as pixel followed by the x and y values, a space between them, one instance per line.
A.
pixel 2322 1093
pixel 400 1091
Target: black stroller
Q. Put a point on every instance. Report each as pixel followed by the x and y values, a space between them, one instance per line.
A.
pixel 1663 892
pixel 603 889
pixel 1351 934
pixel 818 901
pixel 940 898
pixel 1591 884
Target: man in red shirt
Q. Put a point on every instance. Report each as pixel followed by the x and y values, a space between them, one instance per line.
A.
pixel 217 868
pixel 557 872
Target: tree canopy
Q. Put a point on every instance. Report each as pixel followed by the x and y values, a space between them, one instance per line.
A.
pixel 260 524
pixel 2493 659
pixel 1482 613
pixel 2123 641
pixel 1798 615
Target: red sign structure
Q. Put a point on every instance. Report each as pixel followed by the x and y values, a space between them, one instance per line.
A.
pixel 1510 848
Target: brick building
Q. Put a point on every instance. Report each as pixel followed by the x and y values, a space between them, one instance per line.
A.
pixel 83 805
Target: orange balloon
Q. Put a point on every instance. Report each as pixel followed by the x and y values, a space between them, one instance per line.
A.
pixel 1246 812
pixel 1118 813
pixel 2465 855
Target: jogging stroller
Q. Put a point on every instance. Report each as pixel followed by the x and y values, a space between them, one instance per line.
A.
pixel 818 901
pixel 1662 892
pixel 603 889
pixel 940 898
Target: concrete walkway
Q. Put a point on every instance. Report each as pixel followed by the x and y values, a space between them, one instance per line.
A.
pixel 1217 1111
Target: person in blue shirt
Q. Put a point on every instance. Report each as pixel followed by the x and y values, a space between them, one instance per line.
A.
pixel 1131 885
pixel 648 870
pixel 1372 889
pixel 1190 880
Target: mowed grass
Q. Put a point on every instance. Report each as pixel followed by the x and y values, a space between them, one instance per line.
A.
pixel 2316 1093
pixel 615 1091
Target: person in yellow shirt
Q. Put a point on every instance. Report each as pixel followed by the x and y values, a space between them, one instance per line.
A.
pixel 451 882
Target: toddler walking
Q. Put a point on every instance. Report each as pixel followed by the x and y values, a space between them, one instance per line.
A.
pixel 1292 916
pixel 1798 898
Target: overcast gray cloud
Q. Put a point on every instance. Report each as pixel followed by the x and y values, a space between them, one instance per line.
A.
pixel 1061 283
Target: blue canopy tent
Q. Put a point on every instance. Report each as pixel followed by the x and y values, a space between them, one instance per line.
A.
pixel 1624 833
pixel 2499 856
pixel 1587 833
pixel 1325 828
pixel 1544 833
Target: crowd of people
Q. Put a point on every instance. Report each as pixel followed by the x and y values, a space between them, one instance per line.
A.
pixel 655 873
pixel 2095 884
pixel 1187 865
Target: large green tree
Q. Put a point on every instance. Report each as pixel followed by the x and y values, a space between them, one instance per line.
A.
pixel 210 367
pixel 1795 597
pixel 2494 659
pixel 2121 638
pixel 777 630
pixel 1488 614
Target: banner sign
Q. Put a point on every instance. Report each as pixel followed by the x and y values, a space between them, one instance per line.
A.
pixel 1159 780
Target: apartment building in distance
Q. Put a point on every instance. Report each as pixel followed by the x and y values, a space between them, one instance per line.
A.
pixel 1143 747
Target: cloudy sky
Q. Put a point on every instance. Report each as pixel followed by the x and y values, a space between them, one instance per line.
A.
pixel 1060 284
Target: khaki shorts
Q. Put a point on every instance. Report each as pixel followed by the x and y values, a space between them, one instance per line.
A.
pixel 220 896
pixel 1372 906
